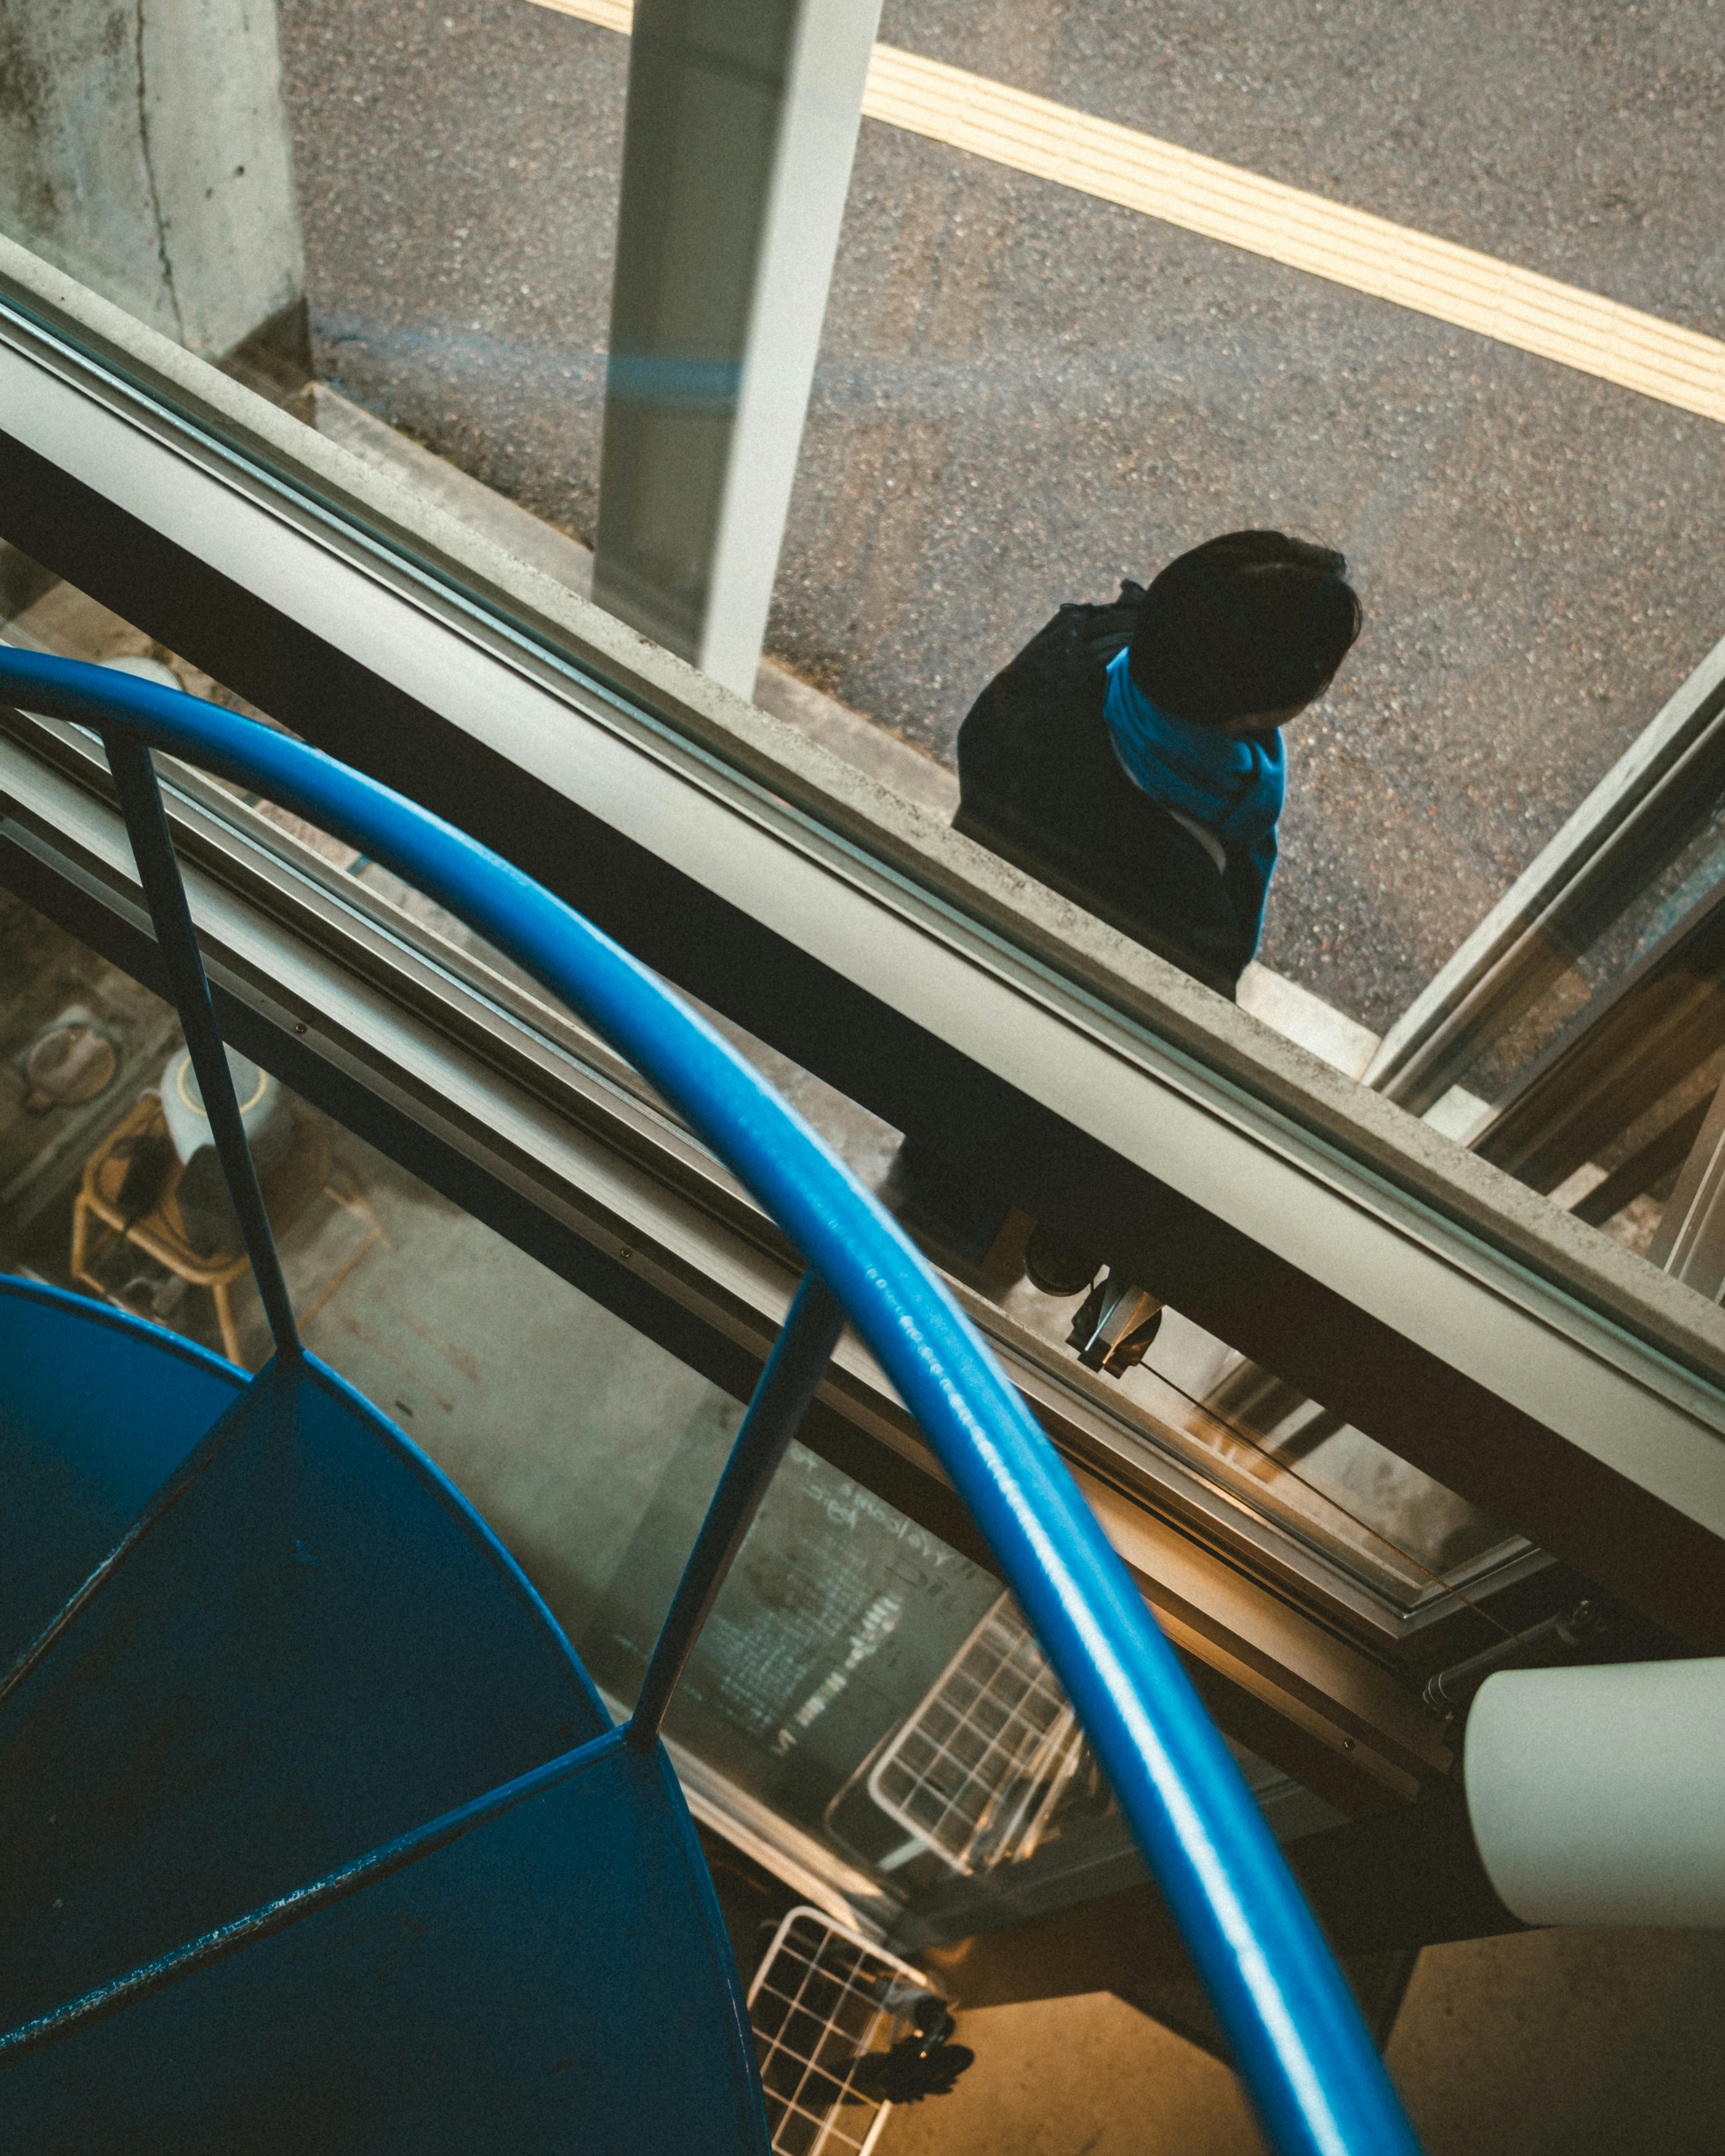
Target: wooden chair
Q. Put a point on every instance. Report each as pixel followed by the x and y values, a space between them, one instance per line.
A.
pixel 305 1172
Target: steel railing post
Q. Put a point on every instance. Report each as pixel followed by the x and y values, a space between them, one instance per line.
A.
pixel 159 872
pixel 793 1370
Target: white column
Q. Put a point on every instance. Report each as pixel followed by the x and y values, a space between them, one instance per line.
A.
pixel 741 129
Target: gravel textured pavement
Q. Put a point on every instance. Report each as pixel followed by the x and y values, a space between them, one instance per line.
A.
pixel 1025 394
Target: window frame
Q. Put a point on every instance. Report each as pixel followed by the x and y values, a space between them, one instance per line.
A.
pixel 1449 1313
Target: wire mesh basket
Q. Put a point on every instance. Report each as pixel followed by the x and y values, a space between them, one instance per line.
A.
pixel 823 2000
pixel 975 1772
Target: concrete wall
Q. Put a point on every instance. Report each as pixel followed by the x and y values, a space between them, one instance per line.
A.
pixel 144 150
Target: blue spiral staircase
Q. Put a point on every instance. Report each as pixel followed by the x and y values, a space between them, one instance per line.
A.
pixel 315 1836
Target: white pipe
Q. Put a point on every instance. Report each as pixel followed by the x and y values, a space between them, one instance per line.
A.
pixel 1598 1795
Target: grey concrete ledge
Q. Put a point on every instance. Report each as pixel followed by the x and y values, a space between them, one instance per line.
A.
pixel 856 739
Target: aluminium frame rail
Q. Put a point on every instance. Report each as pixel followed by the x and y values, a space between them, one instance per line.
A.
pixel 1303 2051
pixel 517 1119
pixel 1503 1348
pixel 1662 789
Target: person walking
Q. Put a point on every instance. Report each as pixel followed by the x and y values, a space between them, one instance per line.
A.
pixel 1131 755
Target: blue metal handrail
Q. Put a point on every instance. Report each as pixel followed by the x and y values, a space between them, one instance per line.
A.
pixel 1301 2048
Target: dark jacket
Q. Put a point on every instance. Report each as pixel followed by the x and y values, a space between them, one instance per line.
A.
pixel 1039 784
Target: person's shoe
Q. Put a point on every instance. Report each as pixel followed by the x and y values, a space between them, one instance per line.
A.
pixel 1056 1263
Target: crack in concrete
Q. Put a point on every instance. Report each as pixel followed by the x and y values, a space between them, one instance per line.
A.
pixel 156 210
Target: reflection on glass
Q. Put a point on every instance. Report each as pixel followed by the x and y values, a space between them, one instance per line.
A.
pixel 975 1772
pixel 1408 1543
pixel 835 1619
pixel 1363 1514
pixel 404 228
pixel 859 1678
pixel 987 1768
pixel 554 1416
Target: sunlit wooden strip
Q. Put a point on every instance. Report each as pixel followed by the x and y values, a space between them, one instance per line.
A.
pixel 1345 246
pixel 609 15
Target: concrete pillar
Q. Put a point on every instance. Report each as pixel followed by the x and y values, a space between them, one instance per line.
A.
pixel 741 125
pixel 144 150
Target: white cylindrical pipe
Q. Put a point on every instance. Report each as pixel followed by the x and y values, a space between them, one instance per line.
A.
pixel 1598 1795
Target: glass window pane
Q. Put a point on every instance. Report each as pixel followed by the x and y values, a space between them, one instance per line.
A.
pixel 1031 385
pixel 457 177
pixel 557 1420
pixel 1391 1532
pixel 860 1681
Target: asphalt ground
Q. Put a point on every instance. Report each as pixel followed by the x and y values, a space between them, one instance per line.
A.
pixel 1025 394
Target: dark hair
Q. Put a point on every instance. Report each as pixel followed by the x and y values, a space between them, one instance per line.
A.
pixel 1254 621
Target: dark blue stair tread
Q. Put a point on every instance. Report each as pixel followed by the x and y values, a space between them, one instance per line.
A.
pixel 96 1411
pixel 316 1646
pixel 555 1977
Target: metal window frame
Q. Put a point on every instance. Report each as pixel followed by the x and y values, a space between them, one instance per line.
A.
pixel 588 1174
pixel 518 1037
pixel 1639 817
pixel 1511 1353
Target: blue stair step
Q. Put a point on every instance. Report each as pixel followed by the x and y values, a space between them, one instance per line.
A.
pixel 546 1972
pixel 316 1646
pixel 96 1411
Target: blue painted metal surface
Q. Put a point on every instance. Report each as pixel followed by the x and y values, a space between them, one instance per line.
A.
pixel 526 1977
pixel 96 1411
pixel 158 871
pixel 315 1646
pixel 1301 2048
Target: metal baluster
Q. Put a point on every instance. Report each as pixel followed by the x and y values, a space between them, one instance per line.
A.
pixel 794 1371
pixel 159 873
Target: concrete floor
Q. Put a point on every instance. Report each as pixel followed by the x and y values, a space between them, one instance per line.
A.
pixel 556 1418
pixel 1564 2043
pixel 1023 393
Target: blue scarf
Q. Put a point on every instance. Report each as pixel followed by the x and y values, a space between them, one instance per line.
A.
pixel 1231 784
